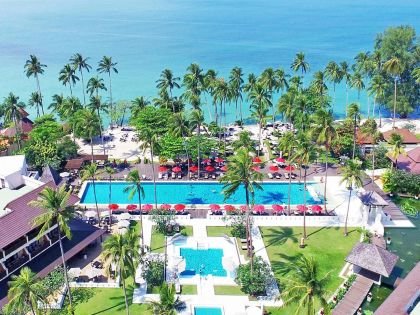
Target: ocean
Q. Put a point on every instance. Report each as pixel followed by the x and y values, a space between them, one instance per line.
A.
pixel 145 37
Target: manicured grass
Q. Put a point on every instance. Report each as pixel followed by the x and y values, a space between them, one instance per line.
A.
pixel 189 289
pixel 327 245
pixel 187 230
pixel 220 231
pixel 157 243
pixel 228 290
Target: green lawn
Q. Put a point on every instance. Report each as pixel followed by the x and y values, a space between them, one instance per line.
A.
pixel 157 243
pixel 189 289
pixel 219 231
pixel 328 245
pixel 228 290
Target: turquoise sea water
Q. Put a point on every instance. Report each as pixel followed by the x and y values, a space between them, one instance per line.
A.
pixel 203 261
pixel 145 37
pixel 196 193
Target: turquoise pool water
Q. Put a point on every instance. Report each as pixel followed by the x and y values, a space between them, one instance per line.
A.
pixel 207 311
pixel 197 193
pixel 203 261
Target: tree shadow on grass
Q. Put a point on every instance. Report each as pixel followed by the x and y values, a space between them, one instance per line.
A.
pixel 284 263
pixel 280 236
pixel 119 301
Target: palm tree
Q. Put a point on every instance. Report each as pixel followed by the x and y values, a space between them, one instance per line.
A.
pixel 97 106
pixel 122 250
pixel 57 104
pixel 94 85
pixel 286 145
pixel 416 75
pixel 378 87
pixel 54 203
pixel 240 172
pixel 395 68
pixel 193 80
pixel 397 148
pixel 12 112
pixel 269 81
pixel 138 104
pixel 371 130
pixel 260 102
pixel 35 68
pixel 135 188
pixel 282 79
pixel 196 121
pixel 150 141
pixel 167 81
pixel 67 109
pixel 335 75
pixel 110 171
pixel 305 286
pixel 81 64
pixel 299 63
pixel 89 122
pixel 168 303
pixel 352 177
pixel 357 83
pixel 324 132
pixel 106 65
pixel 236 82
pixel 345 71
pixel 286 105
pixel 25 290
pixel 305 153
pixel 90 172
pixel 318 83
pixel 353 113
pixel 68 76
pixel 35 100
pixel 209 85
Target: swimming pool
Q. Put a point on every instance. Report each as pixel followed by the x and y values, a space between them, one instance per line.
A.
pixel 203 262
pixel 201 310
pixel 199 193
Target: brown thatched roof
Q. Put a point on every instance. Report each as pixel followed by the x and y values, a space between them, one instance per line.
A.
pixel 373 258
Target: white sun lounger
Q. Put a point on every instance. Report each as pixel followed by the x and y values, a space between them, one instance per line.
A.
pixel 270 176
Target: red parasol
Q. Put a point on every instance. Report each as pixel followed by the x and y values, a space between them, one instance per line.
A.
pixel 302 208
pixel 176 169
pixel 255 168
pixel 163 169
pixel 206 161
pixel 274 168
pixel 219 160
pixel 243 208
pixel 277 208
pixel 259 208
pixel 223 168
pixel 280 160
pixel 179 207
pixel 209 169
pixel 290 168
pixel 147 207
pixel 256 160
pixel 229 208
pixel 193 168
pixel 214 207
pixel 131 207
pixel 165 206
pixel 316 208
pixel 113 207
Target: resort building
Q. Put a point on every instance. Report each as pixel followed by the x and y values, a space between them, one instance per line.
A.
pixel 20 242
pixel 410 140
pixel 409 162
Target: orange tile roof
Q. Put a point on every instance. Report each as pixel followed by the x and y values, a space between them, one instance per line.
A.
pixel 407 135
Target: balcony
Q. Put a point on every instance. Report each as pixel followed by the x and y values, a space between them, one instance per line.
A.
pixel 2 273
pixel 38 246
pixel 53 235
pixel 15 245
pixel 16 261
pixel 34 233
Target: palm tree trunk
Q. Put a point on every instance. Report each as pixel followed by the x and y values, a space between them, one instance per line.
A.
pixel 248 230
pixel 374 107
pixel 127 310
pixel 395 101
pixel 17 132
pixel 153 172
pixel 198 152
pixel 368 103
pixel 333 104
pixel 347 96
pixel 100 131
pixel 32 309
pixel 66 277
pixel 83 88
pixel 304 204
pixel 373 164
pixel 109 200
pixel 141 221
pixel 347 213
pixel 354 137
pixel 290 189
pixel 71 91
pixel 91 147
pixel 240 112
pixel 96 201
pixel 325 180
pixel 110 95
pixel 39 92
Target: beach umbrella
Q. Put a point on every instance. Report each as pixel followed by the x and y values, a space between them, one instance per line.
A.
pixel 206 161
pixel 229 208
pixel 223 168
pixel 259 208
pixel 302 208
pixel 176 169
pixel 193 168
pixel 165 206
pixel 163 169
pixel 243 208
pixel 289 168
pixel 214 207
pixel 125 216
pixel 113 206
pixel 256 160
pixel 90 214
pixel 123 224
pixel 131 207
pixel 147 207
pixel 277 208
pixel 179 207
pixel 209 169
pixel 316 208
pixel 255 168
pixel 219 160
pixel 274 168
pixel 280 160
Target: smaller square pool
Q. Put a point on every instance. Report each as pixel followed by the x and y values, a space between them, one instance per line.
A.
pixel 203 262
pixel 201 310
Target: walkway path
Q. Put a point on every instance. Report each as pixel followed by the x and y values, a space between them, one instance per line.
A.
pixel 354 296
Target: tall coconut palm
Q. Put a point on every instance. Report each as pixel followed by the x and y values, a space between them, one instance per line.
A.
pixel 193 80
pixel 122 251
pixel 318 83
pixel 138 104
pixel 168 303
pixel 287 145
pixel 88 121
pixel 371 130
pixel 35 100
pixel 12 112
pixel 25 291
pixel 106 65
pixel 353 113
pixel 135 188
pixel 150 142
pixel 305 286
pixel 378 87
pixel 260 102
pixel 397 148
pixel 56 105
pixel 90 172
pixel 361 59
pixel 94 85
pixel 167 81
pixel 282 82
pixel 416 74
pixel 335 75
pixel 251 82
pixel 208 86
pixel 96 105
pixel 110 171
pixel 352 177
pixel 67 109
pixel 300 63
pixel 269 81
pixel 196 121
pixel 324 132
pixel 67 76
pixel 286 105
pixel 54 203
pixel 394 67
pixel 236 82
pixel 35 68
pixel 80 63
pixel 305 154
pixel 357 83
pixel 240 173
pixel 345 71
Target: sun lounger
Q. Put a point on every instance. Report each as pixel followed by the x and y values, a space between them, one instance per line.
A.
pixel 245 247
pixel 178 287
pixel 206 176
pixel 243 240
pixel 278 176
pixel 179 176
pixel 293 176
pixel 160 175
pixel 213 176
pixel 173 175
pixel 286 175
pixel 270 176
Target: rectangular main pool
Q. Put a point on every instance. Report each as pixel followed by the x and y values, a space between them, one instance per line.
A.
pixel 199 193
pixel 207 310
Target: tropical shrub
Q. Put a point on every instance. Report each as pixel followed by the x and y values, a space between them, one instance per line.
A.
pixel 153 271
pixel 254 283
pixel 398 181
pixel 162 218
